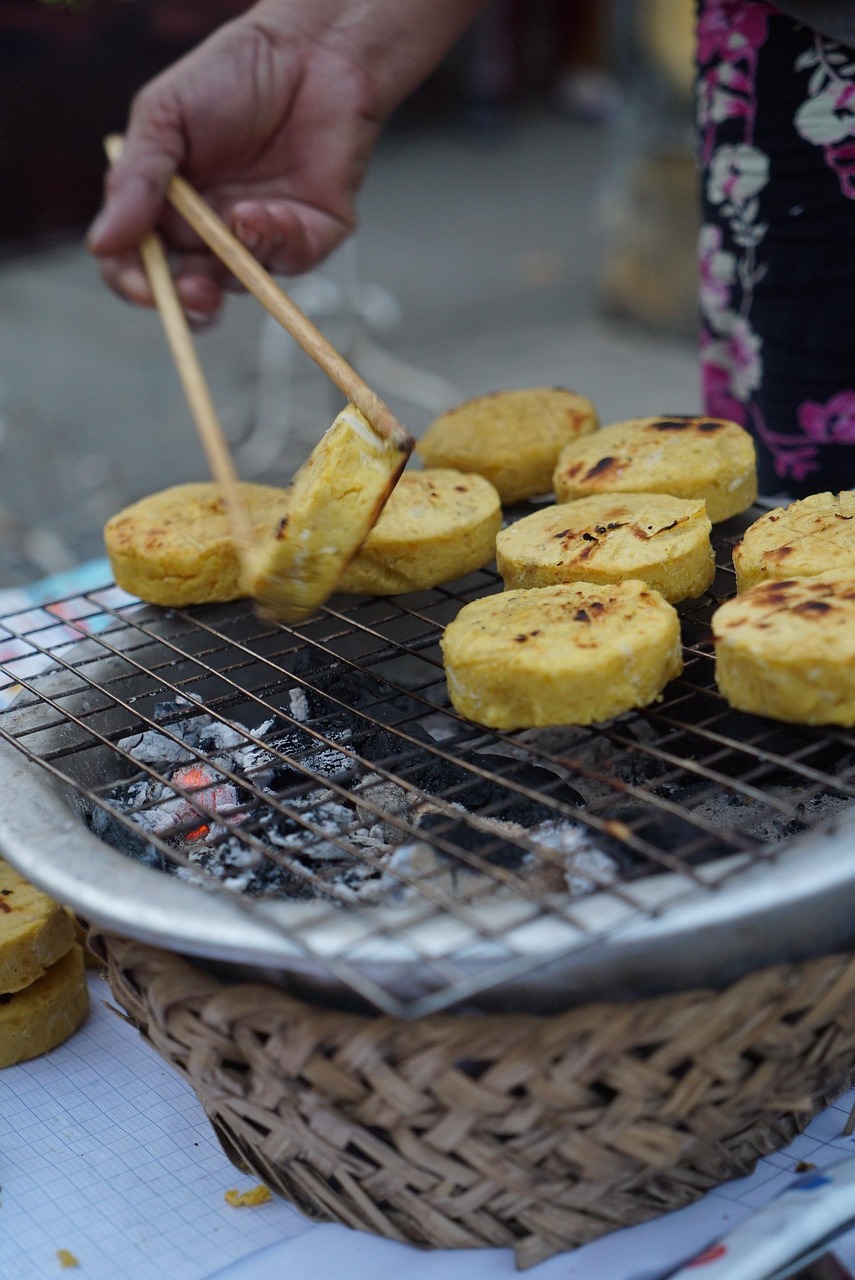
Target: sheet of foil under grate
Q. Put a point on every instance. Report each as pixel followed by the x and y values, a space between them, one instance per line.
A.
pixel 361 841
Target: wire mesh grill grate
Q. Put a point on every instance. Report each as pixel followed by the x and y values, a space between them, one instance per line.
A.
pixel 323 763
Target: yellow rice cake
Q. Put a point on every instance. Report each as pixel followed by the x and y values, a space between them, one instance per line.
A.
pixel 663 541
pixel 814 535
pixel 708 458
pixel 574 653
pixel 513 438
pixel 436 526
pixel 35 931
pixel 177 547
pixel 334 501
pixel 45 1013
pixel 786 649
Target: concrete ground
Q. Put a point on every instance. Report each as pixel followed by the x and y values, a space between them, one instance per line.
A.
pixel 477 266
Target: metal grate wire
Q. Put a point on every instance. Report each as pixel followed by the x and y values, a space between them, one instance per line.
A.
pixel 669 788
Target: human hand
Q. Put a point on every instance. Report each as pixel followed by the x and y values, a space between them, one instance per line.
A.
pixel 273 119
pixel 275 130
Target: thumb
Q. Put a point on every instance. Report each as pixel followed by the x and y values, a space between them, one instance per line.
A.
pixel 135 186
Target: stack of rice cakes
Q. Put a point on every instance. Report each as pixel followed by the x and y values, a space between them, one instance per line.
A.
pixel 785 646
pixel 43 992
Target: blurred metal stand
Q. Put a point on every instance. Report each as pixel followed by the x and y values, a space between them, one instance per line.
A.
pixel 295 402
pixel 650 206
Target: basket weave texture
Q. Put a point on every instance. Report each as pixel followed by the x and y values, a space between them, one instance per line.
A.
pixel 537 1133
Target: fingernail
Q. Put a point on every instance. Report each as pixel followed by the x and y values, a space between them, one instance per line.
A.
pixel 133 284
pixel 249 236
pixel 200 319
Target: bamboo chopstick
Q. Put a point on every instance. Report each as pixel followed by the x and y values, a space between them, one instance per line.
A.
pixel 221 241
pixel 191 375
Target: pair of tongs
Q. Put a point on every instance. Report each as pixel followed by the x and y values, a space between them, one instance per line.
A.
pixel 284 595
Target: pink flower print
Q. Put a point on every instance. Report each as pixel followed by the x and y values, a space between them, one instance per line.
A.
pixel 724 93
pixel 738 352
pixel 736 174
pixel 794 457
pixel 716 389
pixel 717 271
pixel 842 160
pixel 832 422
pixel 731 29
pixel 743 350
pixel 796 464
pixel 717 399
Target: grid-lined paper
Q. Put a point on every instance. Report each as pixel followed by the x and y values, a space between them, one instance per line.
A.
pixel 106 1152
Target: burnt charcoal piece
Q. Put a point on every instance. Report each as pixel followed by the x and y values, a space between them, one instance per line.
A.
pixel 636 769
pixel 490 846
pixel 439 777
pixel 356 689
pixel 327 675
pixel 387 749
pixel 108 828
pixel 324 675
pixel 179 715
pixel 667 833
pixel 226 858
pixel 522 774
pixel 265 767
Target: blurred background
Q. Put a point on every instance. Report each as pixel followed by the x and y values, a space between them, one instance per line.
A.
pixel 530 219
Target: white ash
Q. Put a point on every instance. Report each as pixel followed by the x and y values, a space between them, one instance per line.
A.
pixel 329 763
pixel 755 819
pixel 394 801
pixel 327 816
pixel 298 705
pixel 234 864
pixel 410 868
pixel 580 868
pixel 585 866
pixel 226 737
pixel 180 741
pixel 153 747
pixel 357 845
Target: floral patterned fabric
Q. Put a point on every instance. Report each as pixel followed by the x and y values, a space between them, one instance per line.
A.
pixel 776 123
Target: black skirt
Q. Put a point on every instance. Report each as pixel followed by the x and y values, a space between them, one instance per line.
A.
pixel 776 134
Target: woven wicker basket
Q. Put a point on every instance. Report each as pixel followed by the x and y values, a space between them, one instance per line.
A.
pixel 537 1133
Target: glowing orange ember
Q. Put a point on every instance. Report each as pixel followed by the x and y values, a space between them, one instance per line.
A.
pixel 197 777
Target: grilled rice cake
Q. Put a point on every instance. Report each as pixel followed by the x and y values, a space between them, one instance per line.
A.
pixel 436 526
pixel 334 501
pixel 176 547
pixel 513 438
pixel 814 535
pixel 574 653
pixel 708 458
pixel 661 540
pixel 35 931
pixel 44 1014
pixel 786 649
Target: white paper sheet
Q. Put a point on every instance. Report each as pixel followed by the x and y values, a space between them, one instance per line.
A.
pixel 106 1152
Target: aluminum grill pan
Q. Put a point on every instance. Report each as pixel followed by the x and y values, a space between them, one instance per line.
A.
pixel 404 858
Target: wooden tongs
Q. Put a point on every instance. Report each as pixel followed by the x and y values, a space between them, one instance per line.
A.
pixel 329 518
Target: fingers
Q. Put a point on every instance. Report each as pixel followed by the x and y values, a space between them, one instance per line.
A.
pixel 135 185
pixel 286 238
pixel 198 282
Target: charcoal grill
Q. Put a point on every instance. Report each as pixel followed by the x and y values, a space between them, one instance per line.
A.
pixel 728 838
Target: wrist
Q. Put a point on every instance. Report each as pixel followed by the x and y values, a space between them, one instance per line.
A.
pixel 394 44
